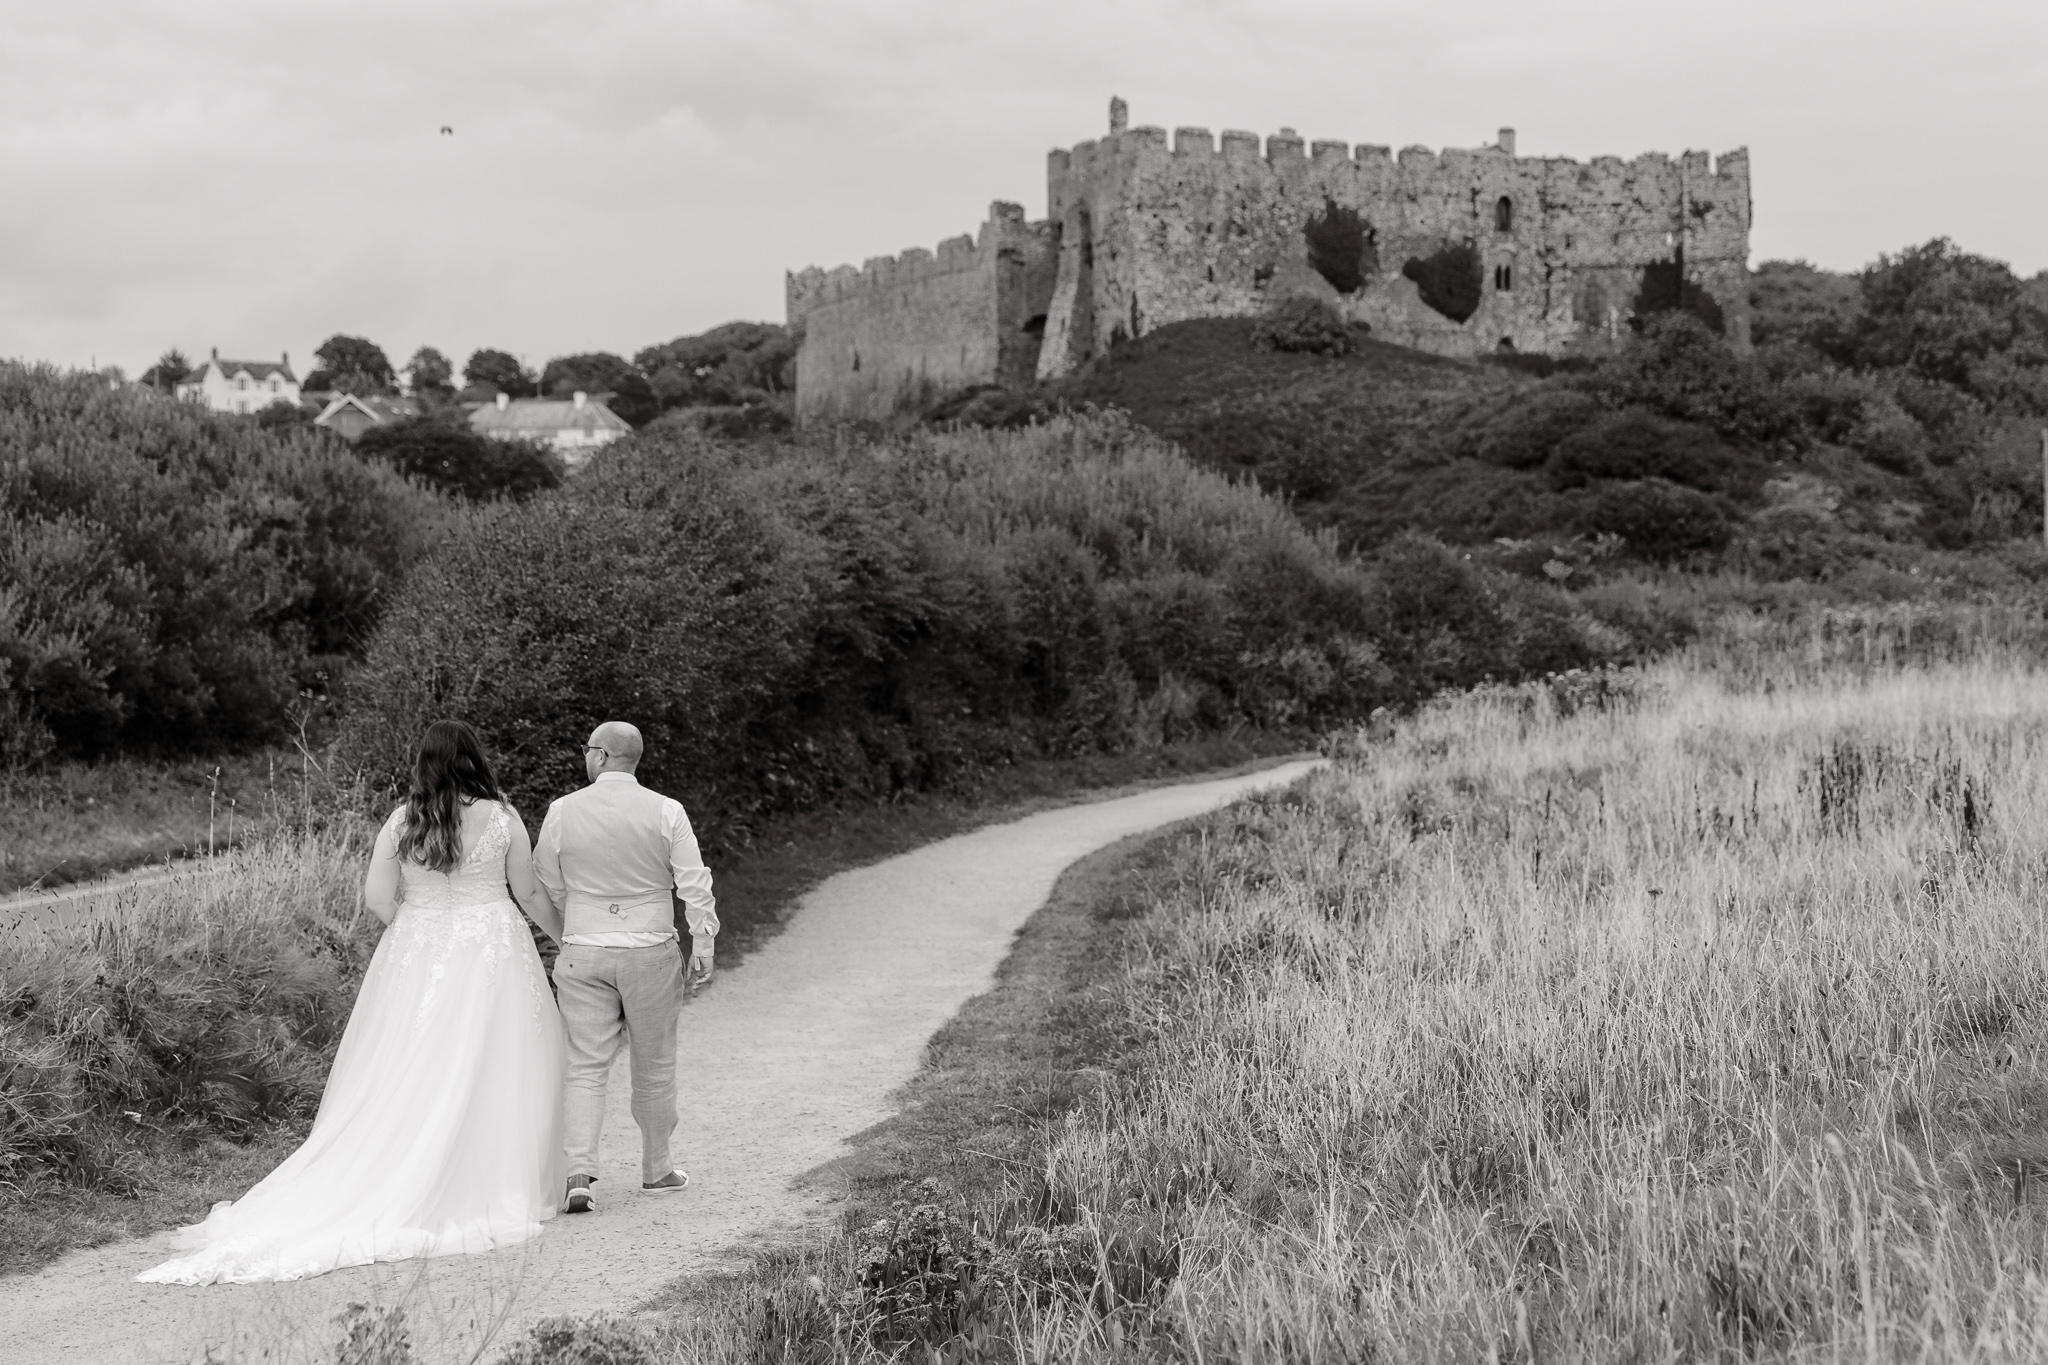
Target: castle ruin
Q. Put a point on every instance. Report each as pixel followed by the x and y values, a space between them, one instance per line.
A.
pixel 1460 253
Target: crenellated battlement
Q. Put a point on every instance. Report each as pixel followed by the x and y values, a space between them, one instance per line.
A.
pixel 1287 147
pixel 812 287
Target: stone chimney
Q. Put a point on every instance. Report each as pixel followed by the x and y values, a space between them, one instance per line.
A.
pixel 504 400
pixel 580 396
pixel 1507 141
pixel 1119 115
pixel 216 353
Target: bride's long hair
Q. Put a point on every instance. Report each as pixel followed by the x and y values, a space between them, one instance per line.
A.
pixel 451 767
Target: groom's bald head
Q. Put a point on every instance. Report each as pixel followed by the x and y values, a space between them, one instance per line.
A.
pixel 622 747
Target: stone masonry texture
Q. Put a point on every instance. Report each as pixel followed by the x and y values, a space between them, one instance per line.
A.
pixel 1143 229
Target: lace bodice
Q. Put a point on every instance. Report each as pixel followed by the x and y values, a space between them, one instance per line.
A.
pixel 479 879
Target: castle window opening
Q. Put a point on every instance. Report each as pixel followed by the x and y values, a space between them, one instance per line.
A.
pixel 1503 214
pixel 1504 278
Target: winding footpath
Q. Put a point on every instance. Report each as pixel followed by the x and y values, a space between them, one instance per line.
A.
pixel 781 1061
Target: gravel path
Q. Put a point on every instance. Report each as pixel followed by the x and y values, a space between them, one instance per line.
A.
pixel 782 1061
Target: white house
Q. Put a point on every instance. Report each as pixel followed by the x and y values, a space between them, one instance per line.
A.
pixel 572 427
pixel 240 385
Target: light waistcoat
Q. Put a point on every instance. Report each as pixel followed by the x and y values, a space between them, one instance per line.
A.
pixel 610 853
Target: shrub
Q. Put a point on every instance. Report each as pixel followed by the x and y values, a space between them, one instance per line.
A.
pixel 1679 368
pixel 1521 430
pixel 793 624
pixel 1637 444
pixel 990 405
pixel 605 1339
pixel 173 579
pixel 1444 622
pixel 1303 323
pixel 1342 247
pixel 1656 519
pixel 440 449
pixel 1450 279
pixel 1665 288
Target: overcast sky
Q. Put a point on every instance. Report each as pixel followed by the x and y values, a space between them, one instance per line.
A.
pixel 257 176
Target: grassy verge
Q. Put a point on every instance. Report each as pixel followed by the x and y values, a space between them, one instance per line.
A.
pixel 76 822
pixel 1695 1018
pixel 962 1154
pixel 250 969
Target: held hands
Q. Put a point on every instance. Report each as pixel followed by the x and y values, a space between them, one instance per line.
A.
pixel 702 955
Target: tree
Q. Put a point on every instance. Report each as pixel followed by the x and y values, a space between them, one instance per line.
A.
pixel 352 365
pixel 1944 313
pixel 170 367
pixel 431 374
pixel 603 375
pixel 500 370
pixel 441 450
pixel 738 363
pixel 593 372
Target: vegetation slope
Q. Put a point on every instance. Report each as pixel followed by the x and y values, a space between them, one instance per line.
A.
pixel 1883 418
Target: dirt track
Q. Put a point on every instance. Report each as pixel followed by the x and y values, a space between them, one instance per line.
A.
pixel 781 1060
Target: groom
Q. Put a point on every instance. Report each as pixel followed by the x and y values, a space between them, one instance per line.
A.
pixel 608 856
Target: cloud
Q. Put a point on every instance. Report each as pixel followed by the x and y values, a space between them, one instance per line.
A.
pixel 258 176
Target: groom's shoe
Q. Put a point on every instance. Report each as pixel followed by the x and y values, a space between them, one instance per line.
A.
pixel 674 1180
pixel 580 1199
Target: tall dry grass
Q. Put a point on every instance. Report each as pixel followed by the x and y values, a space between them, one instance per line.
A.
pixel 1703 1022
pixel 140 1042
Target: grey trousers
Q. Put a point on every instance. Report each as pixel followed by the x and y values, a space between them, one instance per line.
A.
pixel 613 995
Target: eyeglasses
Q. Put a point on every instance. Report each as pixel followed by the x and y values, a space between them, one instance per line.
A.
pixel 595 749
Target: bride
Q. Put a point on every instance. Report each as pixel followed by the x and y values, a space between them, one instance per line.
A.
pixel 440 1131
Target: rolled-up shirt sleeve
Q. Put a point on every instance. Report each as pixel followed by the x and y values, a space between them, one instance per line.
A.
pixel 693 879
pixel 547 861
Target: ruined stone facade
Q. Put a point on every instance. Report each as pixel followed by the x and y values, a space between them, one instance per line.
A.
pixel 1460 252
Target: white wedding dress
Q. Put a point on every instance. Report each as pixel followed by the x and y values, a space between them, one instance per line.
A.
pixel 440 1131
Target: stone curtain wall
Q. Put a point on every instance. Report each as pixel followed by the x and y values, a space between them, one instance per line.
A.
pixel 1541 254
pixel 902 330
pixel 1187 228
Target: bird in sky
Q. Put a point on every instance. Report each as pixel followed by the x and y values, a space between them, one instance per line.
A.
pixel 446 131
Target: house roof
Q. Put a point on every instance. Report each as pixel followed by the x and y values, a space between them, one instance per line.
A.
pixel 544 417
pixel 376 407
pixel 258 369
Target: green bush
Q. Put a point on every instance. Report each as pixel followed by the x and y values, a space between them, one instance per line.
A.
pixel 170 579
pixel 1303 323
pixel 1683 370
pixel 439 449
pixel 1637 444
pixel 1443 621
pixel 1451 279
pixel 605 1339
pixel 795 624
pixel 1342 246
pixel 1521 430
pixel 1656 519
